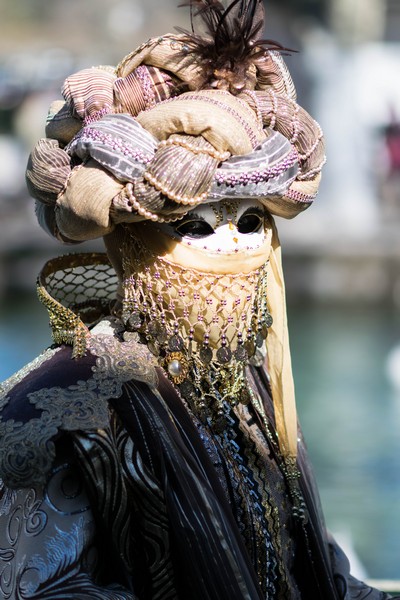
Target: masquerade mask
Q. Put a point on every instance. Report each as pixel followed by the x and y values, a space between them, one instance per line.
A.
pixel 225 227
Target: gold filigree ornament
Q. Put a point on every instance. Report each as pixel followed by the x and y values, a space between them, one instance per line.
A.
pixel 177 366
pixel 77 290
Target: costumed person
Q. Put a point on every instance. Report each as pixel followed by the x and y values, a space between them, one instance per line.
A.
pixel 153 451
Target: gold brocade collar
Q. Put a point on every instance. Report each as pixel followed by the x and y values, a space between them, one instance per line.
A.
pixel 78 290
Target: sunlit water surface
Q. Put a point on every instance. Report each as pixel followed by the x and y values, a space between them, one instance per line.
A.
pixel 348 406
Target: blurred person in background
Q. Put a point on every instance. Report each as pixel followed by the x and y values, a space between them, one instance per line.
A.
pixel 153 451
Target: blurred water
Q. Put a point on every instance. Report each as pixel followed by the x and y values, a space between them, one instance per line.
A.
pixel 350 413
pixel 24 332
pixel 348 409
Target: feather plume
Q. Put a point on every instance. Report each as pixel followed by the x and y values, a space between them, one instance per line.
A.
pixel 230 42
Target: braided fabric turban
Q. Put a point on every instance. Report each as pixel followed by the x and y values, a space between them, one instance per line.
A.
pixel 161 133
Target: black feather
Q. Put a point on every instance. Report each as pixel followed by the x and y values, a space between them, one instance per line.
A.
pixel 230 41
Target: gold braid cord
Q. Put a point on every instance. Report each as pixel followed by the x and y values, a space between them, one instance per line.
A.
pixel 76 290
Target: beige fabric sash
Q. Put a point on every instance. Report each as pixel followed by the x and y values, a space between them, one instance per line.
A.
pixel 279 359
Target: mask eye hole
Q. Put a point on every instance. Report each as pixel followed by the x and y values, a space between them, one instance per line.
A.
pixel 194 228
pixel 251 221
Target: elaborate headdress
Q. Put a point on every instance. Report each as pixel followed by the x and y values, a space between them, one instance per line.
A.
pixel 185 119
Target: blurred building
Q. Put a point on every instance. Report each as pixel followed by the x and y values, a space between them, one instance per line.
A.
pixel 345 74
pixel 347 246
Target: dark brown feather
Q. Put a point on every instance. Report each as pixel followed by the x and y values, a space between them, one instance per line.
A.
pixel 228 41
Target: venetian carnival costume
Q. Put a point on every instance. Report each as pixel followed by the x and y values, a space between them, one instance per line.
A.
pixel 153 451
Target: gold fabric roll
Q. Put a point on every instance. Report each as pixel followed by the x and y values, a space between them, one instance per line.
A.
pixel 47 171
pixel 142 89
pixel 83 209
pixel 223 120
pixel 272 72
pixel 298 198
pixel 296 124
pixel 89 91
pixel 168 52
pixel 183 170
pixel 61 125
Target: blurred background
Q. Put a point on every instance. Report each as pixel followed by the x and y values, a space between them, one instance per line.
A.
pixel 341 258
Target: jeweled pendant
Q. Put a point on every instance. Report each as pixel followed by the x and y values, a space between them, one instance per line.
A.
pixel 135 320
pixel 224 355
pixel 241 353
pixel 268 320
pixel 176 366
pixel 250 347
pixel 154 328
pixel 175 343
pixel 259 340
pixel 206 354
pixel 154 349
pixel 264 331
pixel 161 335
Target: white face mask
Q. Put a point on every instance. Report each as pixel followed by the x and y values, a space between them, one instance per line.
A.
pixel 222 227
